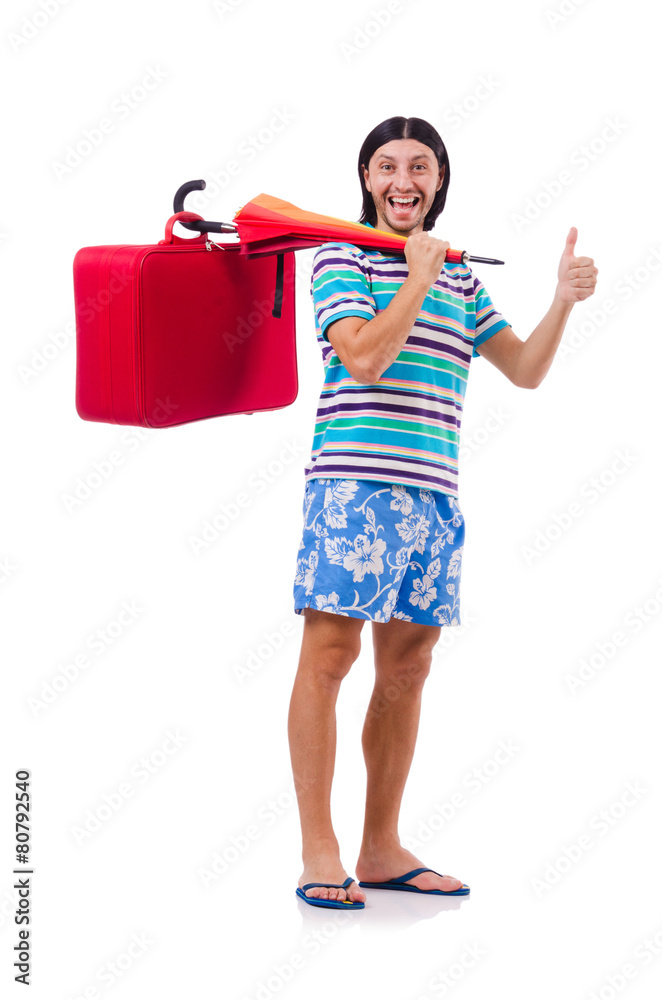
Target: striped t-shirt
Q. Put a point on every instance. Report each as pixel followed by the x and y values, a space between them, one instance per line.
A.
pixel 405 427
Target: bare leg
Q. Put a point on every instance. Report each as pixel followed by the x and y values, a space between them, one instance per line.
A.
pixel 330 645
pixel 403 655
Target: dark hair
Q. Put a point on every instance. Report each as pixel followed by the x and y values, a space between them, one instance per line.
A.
pixel 404 128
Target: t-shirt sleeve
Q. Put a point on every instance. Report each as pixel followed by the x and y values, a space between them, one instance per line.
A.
pixel 488 320
pixel 340 285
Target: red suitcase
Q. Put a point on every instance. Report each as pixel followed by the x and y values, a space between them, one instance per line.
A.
pixel 182 330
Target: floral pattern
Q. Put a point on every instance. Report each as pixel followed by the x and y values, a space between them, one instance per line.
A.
pixel 358 549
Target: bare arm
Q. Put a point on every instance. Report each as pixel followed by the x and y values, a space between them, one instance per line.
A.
pixel 526 362
pixel 368 347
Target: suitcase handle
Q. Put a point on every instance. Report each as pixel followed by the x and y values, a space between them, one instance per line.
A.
pixel 182 217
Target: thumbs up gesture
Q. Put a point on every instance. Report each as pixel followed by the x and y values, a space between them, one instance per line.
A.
pixel 577 275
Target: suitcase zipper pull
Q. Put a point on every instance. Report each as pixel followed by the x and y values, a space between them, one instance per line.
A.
pixel 210 243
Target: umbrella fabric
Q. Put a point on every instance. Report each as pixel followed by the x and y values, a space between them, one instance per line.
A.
pixel 269 224
pixel 279 244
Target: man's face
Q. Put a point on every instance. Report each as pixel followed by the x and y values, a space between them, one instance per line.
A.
pixel 403 177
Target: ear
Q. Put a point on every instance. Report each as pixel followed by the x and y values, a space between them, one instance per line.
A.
pixel 441 176
pixel 365 178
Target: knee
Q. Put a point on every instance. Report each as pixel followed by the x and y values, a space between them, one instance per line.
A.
pixel 406 672
pixel 331 644
pixel 336 660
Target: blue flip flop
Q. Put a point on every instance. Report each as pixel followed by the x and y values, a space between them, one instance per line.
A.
pixel 337 903
pixel 397 883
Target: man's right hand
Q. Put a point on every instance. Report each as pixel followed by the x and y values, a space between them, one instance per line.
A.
pixel 425 256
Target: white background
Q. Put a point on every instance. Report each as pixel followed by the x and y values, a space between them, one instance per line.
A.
pixel 563 903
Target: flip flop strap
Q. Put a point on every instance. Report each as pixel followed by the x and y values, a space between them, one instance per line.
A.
pixel 413 874
pixel 327 885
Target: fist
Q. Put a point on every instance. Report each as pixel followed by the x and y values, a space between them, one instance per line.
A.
pixel 577 276
pixel 425 256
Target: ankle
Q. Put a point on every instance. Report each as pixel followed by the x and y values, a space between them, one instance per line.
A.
pixel 317 848
pixel 378 844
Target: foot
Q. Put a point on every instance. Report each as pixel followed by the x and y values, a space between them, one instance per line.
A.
pixel 381 864
pixel 329 869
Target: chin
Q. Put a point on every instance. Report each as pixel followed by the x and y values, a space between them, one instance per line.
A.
pixel 402 225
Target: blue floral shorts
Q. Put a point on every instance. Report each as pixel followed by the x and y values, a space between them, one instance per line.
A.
pixel 377 551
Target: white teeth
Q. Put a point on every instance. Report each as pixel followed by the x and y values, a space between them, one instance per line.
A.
pixel 404 201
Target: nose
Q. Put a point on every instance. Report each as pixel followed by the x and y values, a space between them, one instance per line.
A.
pixel 400 178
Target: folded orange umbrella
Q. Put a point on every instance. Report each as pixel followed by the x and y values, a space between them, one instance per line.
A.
pixel 267 225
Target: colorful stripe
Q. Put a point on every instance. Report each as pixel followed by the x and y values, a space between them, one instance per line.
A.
pixel 405 427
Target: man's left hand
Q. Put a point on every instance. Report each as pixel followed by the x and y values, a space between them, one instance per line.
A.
pixel 577 275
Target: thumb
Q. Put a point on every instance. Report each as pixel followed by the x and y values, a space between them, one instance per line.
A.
pixel 570 241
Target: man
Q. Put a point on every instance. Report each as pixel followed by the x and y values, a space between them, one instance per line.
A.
pixel 383 529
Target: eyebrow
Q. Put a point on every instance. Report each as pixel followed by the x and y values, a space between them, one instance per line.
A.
pixel 418 156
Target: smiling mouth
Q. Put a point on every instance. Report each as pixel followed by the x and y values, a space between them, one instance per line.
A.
pixel 403 205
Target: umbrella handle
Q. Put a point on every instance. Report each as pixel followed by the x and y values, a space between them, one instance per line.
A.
pixel 202 226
